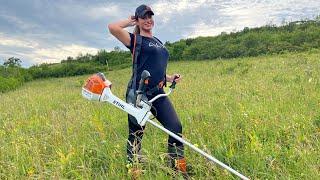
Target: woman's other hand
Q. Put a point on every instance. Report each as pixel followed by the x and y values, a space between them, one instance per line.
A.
pixel 176 77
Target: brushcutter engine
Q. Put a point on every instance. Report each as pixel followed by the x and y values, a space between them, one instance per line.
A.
pixel 98 88
pixel 94 87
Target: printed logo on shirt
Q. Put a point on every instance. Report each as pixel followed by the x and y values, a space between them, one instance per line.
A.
pixel 151 44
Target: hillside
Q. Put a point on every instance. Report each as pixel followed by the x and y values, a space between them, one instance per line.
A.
pixel 270 39
pixel 260 115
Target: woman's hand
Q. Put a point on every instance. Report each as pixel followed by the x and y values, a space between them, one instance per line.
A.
pixel 132 21
pixel 176 77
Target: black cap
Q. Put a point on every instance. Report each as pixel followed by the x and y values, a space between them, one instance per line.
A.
pixel 142 10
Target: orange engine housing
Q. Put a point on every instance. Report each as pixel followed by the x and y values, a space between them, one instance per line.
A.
pixel 96 83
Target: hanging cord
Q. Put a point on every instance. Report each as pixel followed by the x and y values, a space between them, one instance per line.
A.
pixel 155 112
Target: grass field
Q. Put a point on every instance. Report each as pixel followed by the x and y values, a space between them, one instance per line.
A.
pixel 259 115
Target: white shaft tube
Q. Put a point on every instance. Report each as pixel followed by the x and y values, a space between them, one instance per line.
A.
pixel 139 113
pixel 198 150
pixel 161 95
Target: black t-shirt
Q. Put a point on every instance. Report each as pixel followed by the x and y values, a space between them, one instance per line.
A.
pixel 153 57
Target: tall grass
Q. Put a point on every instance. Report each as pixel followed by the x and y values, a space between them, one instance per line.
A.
pixel 259 115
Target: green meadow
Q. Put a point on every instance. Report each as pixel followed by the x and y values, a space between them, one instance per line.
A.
pixel 259 115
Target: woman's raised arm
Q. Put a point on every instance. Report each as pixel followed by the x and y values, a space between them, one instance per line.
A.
pixel 117 29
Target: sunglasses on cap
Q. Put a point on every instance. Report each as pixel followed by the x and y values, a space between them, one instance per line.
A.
pixel 147 16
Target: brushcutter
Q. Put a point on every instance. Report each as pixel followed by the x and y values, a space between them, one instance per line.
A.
pixel 98 88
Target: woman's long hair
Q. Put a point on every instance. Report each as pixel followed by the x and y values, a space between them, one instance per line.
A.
pixel 136 30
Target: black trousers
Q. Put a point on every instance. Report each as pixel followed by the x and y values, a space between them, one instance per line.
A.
pixel 165 113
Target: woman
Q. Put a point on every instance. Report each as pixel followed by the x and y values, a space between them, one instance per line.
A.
pixel 155 58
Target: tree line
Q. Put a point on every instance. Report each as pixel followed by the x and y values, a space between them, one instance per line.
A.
pixel 12 75
pixel 270 39
pixel 292 37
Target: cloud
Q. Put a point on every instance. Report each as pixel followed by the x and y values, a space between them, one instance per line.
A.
pixel 17 42
pixel 64 29
pixel 166 9
pixel 234 15
pixel 202 29
pixel 35 53
pixel 17 21
pixel 172 7
pixel 56 54
pixel 88 12
pixel 99 12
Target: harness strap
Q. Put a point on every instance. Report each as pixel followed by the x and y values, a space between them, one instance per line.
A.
pixel 135 53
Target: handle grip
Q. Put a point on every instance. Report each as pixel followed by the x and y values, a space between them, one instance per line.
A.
pixel 173 85
pixel 145 75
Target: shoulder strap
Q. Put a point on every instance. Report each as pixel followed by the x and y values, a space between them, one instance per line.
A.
pixel 158 40
pixel 135 53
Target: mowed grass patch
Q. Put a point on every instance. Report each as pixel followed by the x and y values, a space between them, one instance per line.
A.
pixel 259 115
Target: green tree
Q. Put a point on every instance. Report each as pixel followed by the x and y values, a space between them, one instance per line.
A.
pixel 317 18
pixel 12 62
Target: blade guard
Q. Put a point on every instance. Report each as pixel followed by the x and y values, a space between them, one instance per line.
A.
pixel 94 87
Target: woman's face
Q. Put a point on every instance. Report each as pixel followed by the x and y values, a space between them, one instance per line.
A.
pixel 146 23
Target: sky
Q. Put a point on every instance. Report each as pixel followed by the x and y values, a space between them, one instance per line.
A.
pixel 48 31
